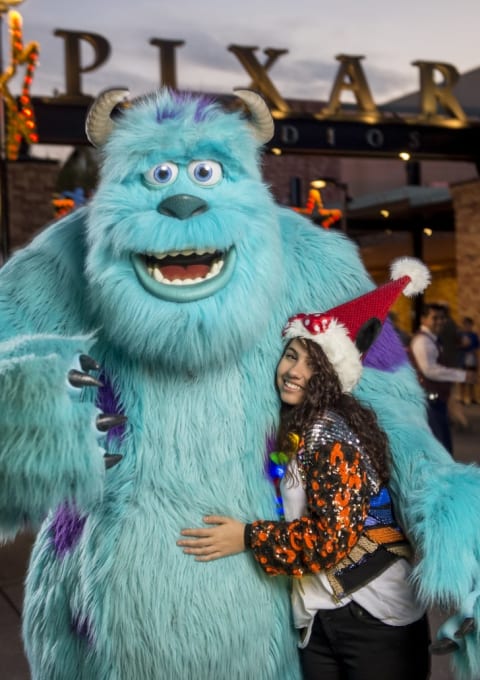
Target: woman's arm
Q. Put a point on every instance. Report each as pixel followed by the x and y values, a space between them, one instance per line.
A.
pixel 338 498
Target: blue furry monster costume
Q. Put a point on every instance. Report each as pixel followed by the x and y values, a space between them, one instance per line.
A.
pixel 177 278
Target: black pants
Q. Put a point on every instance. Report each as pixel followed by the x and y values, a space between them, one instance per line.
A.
pixel 437 413
pixel 350 644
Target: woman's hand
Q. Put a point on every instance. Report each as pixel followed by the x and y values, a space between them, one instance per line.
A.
pixel 225 537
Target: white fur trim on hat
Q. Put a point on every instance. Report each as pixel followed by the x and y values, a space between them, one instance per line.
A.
pixel 415 269
pixel 339 348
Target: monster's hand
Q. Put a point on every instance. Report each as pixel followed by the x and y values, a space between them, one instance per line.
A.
pixel 49 425
pixel 79 379
pixel 454 634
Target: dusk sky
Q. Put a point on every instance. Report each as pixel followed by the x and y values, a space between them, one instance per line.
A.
pixel 391 35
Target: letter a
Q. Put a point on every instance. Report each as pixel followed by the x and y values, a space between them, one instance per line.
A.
pixel 350 77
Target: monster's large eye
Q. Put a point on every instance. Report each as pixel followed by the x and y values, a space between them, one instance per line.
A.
pixel 207 173
pixel 161 174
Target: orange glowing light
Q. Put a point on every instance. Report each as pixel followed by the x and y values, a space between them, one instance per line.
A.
pixel 21 119
pixel 314 208
pixel 62 206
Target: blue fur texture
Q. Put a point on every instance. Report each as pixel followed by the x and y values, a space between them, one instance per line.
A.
pixel 196 380
pixel 41 454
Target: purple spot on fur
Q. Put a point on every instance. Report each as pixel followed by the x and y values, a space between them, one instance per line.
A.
pixel 176 107
pixel 67 527
pixel 166 114
pixel 108 402
pixel 203 109
pixel 387 352
pixel 81 626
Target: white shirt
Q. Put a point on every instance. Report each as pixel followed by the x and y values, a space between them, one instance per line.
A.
pixel 424 348
pixel 389 597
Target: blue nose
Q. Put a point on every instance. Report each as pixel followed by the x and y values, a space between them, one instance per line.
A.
pixel 182 206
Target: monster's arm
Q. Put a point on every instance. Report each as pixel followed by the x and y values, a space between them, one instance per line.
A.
pixel 49 450
pixel 437 498
pixel 439 506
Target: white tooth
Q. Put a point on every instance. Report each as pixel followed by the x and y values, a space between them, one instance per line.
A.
pixel 187 252
pixel 184 282
pixel 157 275
pixel 159 256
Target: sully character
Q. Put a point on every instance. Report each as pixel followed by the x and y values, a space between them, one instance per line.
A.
pixel 177 278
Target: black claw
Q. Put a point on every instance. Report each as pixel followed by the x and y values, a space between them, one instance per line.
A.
pixel 468 626
pixel 105 421
pixel 79 379
pixel 88 363
pixel 444 646
pixel 111 459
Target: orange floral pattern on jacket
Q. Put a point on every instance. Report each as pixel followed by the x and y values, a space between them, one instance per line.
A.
pixel 338 499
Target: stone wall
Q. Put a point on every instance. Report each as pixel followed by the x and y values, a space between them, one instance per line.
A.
pixel 278 171
pixel 31 186
pixel 466 202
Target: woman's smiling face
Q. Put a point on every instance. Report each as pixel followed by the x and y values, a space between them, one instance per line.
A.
pixel 294 370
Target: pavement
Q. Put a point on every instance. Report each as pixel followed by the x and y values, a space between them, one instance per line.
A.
pixel 14 559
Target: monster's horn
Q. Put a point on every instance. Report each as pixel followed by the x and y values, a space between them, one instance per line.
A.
pixel 261 121
pixel 99 125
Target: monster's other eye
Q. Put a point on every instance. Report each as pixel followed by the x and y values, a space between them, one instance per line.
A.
pixel 207 173
pixel 161 174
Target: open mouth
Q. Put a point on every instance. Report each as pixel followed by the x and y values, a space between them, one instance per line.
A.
pixel 185 267
pixel 184 275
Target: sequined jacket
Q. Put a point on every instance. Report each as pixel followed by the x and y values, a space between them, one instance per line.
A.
pixel 349 519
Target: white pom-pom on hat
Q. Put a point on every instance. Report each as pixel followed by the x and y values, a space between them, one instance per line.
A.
pixel 417 272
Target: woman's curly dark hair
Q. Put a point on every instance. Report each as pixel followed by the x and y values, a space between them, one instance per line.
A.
pixel 324 393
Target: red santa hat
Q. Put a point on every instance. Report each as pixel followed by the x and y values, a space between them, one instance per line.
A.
pixel 342 332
